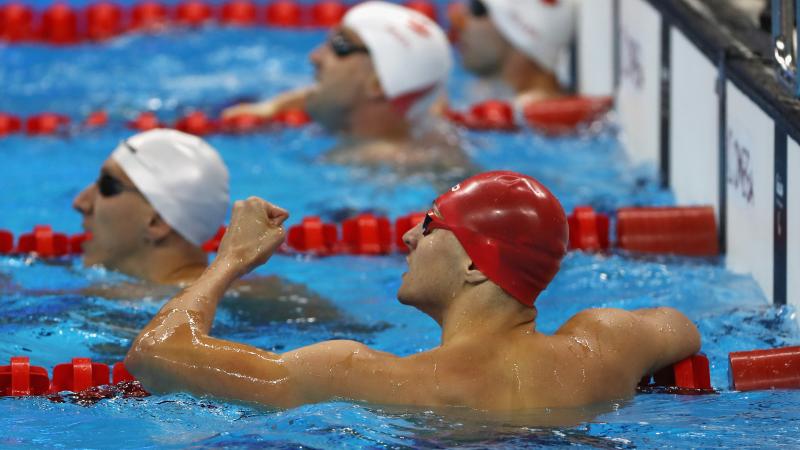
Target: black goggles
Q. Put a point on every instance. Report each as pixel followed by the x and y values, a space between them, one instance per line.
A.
pixel 108 186
pixel 432 222
pixel 478 9
pixel 342 46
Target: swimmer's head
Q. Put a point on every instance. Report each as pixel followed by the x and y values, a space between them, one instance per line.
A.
pixel 382 52
pixel 155 185
pixel 511 230
pixel 539 29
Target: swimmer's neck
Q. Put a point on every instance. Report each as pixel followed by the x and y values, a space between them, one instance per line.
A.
pixel 377 121
pixel 168 263
pixel 527 78
pixel 484 311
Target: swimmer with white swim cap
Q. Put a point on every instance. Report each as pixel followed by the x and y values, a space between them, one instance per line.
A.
pixel 377 77
pixel 486 250
pixel 159 196
pixel 517 43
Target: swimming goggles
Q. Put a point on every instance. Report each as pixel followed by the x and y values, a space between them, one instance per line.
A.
pixel 342 46
pixel 108 186
pixel 478 9
pixel 432 222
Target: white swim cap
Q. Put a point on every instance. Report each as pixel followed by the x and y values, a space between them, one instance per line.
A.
pixel 541 29
pixel 410 52
pixel 182 176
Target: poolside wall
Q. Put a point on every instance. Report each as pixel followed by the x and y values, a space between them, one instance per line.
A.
pixel 695 100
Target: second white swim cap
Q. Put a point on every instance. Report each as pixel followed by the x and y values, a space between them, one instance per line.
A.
pixel 410 52
pixel 182 177
pixel 541 29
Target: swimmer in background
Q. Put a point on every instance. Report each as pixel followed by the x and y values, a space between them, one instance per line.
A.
pixel 377 78
pixel 477 263
pixel 514 46
pixel 159 196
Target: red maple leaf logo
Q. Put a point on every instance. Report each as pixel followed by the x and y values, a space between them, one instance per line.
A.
pixel 419 27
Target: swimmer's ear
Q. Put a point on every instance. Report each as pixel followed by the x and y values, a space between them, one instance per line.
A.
pixel 157 229
pixel 475 276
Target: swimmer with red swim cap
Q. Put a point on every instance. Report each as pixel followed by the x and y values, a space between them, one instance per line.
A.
pixel 516 46
pixel 377 78
pixel 486 250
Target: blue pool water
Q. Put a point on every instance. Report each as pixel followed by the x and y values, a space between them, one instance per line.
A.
pixel 42 316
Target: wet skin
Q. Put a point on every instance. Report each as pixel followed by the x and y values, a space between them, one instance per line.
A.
pixel 491 357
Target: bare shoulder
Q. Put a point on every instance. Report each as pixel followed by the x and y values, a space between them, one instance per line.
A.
pixel 613 319
pixel 655 337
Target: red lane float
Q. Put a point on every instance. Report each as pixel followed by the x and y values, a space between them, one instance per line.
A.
pixel 239 12
pixel 193 13
pixel 564 115
pixel 9 124
pixel 148 15
pixel 96 119
pixel 242 124
pixel 6 242
pixel 777 368
pixel 690 376
pixel 44 242
pixel 588 230
pixel 145 121
pixel 293 118
pixel 19 378
pixel 491 115
pixel 59 25
pixel 688 231
pixel 197 123
pixel 367 234
pixel 78 375
pixel 16 22
pixel 327 13
pixel 284 14
pixel 314 236
pixel 46 124
pixel 103 20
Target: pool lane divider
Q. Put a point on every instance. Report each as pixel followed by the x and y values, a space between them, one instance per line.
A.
pixel 687 231
pixel 20 378
pixel 64 25
pixel 553 117
pixel 194 122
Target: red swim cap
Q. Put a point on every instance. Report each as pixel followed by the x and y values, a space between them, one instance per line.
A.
pixel 512 227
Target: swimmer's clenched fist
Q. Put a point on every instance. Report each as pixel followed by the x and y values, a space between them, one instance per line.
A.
pixel 476 265
pixel 255 232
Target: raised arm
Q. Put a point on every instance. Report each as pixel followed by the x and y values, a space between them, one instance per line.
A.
pixel 175 353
